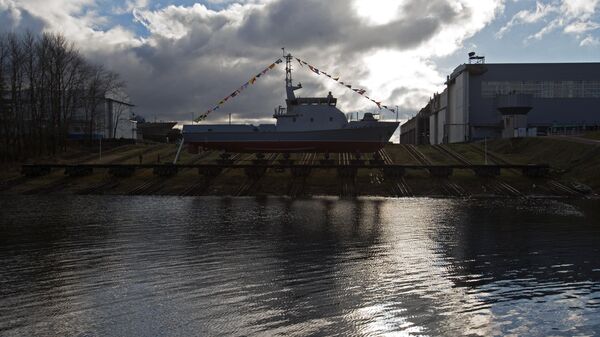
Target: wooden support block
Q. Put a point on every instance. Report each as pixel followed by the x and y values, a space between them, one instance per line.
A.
pixel 299 171
pixel 210 172
pixel 536 171
pixel 121 171
pixel 487 171
pixel 442 171
pixel 165 170
pixel 255 172
pixel 393 172
pixel 35 170
pixel 78 171
pixel 347 172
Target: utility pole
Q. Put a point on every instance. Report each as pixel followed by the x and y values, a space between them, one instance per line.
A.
pixel 230 118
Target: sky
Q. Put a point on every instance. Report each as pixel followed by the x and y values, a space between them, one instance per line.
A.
pixel 180 58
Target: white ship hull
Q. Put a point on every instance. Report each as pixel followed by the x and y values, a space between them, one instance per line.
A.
pixel 360 139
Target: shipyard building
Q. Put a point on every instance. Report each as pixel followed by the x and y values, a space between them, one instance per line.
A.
pixel 508 100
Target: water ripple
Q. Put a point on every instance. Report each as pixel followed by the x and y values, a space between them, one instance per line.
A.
pixel 171 266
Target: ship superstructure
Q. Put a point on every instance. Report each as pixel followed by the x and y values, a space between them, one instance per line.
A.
pixel 305 124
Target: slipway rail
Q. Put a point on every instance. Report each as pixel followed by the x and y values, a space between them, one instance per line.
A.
pixel 346 168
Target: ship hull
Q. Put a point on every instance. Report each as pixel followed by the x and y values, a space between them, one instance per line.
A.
pixel 363 139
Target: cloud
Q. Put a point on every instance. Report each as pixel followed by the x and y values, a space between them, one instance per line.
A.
pixel 129 6
pixel 581 27
pixel 528 17
pixel 574 17
pixel 194 55
pixel 590 41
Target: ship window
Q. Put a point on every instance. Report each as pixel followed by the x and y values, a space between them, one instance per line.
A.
pixel 294 119
pixel 312 119
pixel 331 119
pixel 209 129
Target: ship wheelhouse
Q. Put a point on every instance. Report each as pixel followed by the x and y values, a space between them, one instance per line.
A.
pixel 310 113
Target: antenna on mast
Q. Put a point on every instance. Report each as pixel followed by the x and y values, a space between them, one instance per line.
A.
pixel 289 87
pixel 288 69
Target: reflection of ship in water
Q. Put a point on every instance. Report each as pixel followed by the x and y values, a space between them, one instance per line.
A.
pixel 306 124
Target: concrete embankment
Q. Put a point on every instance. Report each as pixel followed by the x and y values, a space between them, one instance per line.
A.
pixel 398 171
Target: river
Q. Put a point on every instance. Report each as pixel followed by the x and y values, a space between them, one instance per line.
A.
pixel 182 266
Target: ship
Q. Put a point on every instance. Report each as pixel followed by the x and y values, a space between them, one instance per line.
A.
pixel 305 124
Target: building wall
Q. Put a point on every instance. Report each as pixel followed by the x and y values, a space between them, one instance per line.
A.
pixel 563 94
pixel 105 118
pixel 437 118
pixel 437 124
pixel 416 130
pixel 458 109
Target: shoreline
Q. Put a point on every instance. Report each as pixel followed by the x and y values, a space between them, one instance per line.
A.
pixel 572 173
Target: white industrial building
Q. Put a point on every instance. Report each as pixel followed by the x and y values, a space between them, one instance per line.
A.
pixel 509 100
pixel 109 118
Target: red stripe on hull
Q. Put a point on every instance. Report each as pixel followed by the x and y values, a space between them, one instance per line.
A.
pixel 323 147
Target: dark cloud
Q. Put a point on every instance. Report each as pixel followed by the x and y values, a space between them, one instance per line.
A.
pixel 216 52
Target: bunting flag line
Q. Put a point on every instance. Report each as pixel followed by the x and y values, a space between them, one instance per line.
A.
pixel 239 90
pixel 361 92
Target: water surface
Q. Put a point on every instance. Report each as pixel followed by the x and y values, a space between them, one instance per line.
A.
pixel 171 266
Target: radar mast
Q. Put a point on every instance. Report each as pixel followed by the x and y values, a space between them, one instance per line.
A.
pixel 289 86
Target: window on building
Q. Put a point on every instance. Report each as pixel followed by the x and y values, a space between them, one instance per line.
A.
pixel 542 89
pixel 312 119
pixel 331 119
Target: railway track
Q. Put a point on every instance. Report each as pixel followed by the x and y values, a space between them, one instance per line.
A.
pixel 417 155
pixel 452 154
pixel 399 186
pixel 347 184
pixel 552 185
pixel 448 188
pixel 63 182
pixel 155 184
pixel 252 183
pixel 297 186
pixel 133 155
pixel 200 187
pixel 149 186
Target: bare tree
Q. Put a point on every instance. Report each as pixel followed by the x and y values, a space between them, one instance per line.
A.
pixel 44 81
pixel 118 109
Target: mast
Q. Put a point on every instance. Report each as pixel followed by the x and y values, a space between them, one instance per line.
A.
pixel 288 70
pixel 289 86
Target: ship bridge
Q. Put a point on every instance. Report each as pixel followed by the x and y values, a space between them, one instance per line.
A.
pixel 329 100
